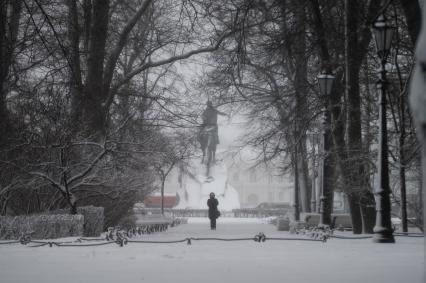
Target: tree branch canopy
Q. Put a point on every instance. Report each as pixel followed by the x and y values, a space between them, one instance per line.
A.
pixel 166 61
pixel 112 60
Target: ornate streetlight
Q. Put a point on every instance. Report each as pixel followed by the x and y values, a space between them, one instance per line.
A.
pixel 314 142
pixel 325 82
pixel 383 232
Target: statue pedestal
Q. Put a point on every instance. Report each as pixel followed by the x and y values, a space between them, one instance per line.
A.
pixel 196 190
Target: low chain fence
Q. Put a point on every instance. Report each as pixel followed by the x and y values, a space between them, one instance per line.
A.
pixel 118 235
pixel 122 237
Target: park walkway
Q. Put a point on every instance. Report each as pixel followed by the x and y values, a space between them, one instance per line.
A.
pixel 218 261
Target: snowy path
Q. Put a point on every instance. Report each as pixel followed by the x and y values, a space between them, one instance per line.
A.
pixel 213 261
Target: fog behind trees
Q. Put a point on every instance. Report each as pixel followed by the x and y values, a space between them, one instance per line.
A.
pixel 93 99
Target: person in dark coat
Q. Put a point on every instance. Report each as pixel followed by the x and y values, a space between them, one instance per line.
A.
pixel 212 203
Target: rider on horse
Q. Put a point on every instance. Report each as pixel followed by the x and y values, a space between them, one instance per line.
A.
pixel 210 120
pixel 208 136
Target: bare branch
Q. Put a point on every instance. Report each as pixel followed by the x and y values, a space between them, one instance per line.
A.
pixel 50 180
pixel 89 168
pixel 169 60
pixel 112 60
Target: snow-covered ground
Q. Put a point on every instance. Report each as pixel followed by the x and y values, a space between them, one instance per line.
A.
pixel 217 261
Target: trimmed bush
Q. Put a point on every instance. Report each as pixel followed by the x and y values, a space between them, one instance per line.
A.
pixel 93 219
pixel 296 225
pixel 283 224
pixel 41 226
pixel 311 219
pixel 128 222
pixel 342 220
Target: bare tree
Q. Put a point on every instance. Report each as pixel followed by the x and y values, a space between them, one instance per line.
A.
pixel 176 151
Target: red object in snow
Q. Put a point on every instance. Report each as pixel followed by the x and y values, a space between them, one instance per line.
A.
pixel 155 201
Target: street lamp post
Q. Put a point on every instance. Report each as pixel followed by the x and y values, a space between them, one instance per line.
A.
pixel 296 190
pixel 325 82
pixel 314 174
pixel 322 198
pixel 383 232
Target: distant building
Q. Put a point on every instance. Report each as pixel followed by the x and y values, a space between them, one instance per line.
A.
pixel 259 184
pixel 154 201
pixel 254 185
pixel 262 184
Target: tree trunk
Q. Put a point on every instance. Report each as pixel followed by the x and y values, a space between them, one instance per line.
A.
pixel 94 96
pixel 300 86
pixel 10 13
pixel 353 97
pixel 303 174
pixel 163 180
pixel 368 212
pixel 355 52
pixel 87 15
pixel 72 201
pixel 296 185
pixel 3 71
pixel 413 18
pixel 354 207
pixel 328 174
pixel 402 173
pixel 76 86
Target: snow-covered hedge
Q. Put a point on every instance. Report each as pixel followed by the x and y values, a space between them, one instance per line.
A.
pixel 339 220
pixel 93 219
pixel 41 226
pixel 311 218
pixel 128 222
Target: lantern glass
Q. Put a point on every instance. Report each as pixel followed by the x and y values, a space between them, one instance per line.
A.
pixel 383 34
pixel 325 82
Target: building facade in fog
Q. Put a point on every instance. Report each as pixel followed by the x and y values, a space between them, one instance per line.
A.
pixel 254 185
pixel 259 184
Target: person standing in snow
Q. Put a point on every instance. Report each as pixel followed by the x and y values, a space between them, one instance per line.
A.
pixel 212 203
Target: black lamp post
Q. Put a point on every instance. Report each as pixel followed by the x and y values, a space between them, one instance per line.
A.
pixel 325 82
pixel 314 173
pixel 383 232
